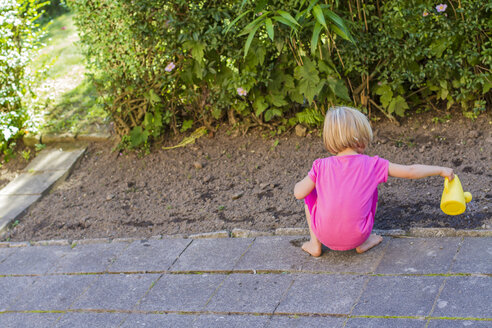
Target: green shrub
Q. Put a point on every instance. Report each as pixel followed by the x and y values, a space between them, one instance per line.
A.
pixel 170 65
pixel 19 38
pixel 178 64
pixel 419 52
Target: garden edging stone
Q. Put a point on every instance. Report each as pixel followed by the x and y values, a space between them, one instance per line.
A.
pixel 395 233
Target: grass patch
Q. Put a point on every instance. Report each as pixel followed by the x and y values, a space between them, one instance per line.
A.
pixel 66 100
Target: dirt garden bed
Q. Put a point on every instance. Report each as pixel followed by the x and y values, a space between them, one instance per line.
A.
pixel 247 181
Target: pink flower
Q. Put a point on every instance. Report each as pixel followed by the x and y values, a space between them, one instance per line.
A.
pixel 241 92
pixel 425 14
pixel 170 67
pixel 63 28
pixel 441 8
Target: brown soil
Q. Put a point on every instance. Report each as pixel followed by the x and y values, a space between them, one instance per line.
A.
pixel 10 169
pixel 247 182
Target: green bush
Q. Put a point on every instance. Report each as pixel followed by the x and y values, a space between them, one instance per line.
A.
pixel 419 52
pixel 174 64
pixel 19 38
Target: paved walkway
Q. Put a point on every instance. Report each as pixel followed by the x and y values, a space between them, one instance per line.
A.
pixel 49 167
pixel 247 282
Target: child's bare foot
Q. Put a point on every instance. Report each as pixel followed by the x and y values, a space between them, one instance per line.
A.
pixel 372 241
pixel 312 248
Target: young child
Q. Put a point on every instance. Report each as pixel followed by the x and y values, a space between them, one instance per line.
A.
pixel 341 193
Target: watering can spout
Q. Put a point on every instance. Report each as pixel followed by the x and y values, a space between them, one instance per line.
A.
pixel 453 200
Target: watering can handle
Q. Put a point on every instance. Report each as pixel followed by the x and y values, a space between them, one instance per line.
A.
pixel 446 184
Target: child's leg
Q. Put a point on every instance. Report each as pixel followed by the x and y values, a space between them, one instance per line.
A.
pixel 370 242
pixel 373 239
pixel 312 246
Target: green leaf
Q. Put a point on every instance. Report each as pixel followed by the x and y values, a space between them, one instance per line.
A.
pixel 197 51
pixel 253 25
pixel 341 33
pixel 486 86
pixel 315 37
pixel 152 97
pixel 271 113
pixel 269 28
pixel 312 4
pixel 437 48
pixel 308 79
pixel 242 4
pixel 260 53
pixel 259 105
pixel 235 20
pixel 287 16
pixel 339 26
pixel 341 90
pixel 249 40
pixel 285 22
pixel 148 119
pixel 138 136
pixel 320 17
pixel 260 5
pixel 187 124
pixel 327 66
pixel 277 99
pixel 386 94
pixel 398 105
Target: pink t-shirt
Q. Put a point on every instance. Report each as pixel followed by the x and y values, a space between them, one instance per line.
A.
pixel 343 203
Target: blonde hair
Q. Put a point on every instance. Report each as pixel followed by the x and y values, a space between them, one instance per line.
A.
pixel 346 127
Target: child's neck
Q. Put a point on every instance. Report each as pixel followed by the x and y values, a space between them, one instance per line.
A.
pixel 348 151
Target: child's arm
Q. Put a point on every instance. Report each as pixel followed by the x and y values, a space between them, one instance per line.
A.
pixel 304 187
pixel 417 171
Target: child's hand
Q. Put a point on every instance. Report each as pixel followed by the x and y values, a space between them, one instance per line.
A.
pixel 447 172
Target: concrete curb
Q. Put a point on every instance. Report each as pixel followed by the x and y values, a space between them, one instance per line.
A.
pixel 244 233
pixel 32 139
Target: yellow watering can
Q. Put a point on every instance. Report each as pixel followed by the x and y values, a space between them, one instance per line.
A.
pixel 453 198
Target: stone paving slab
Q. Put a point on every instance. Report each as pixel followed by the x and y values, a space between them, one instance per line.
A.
pixel 475 256
pixel 212 254
pixel 322 294
pixel 273 253
pixel 465 297
pixel 398 296
pixel 55 159
pixel 6 252
pixel 292 285
pixel 346 261
pixel 12 288
pixel 31 320
pixel 305 322
pixel 158 320
pixel 51 293
pixel 230 321
pixel 89 258
pixel 150 255
pixel 32 183
pixel 115 292
pixel 251 293
pixel 419 255
pixel 384 323
pixel 185 292
pixel 90 320
pixel 33 260
pixel 459 324
pixel 12 206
